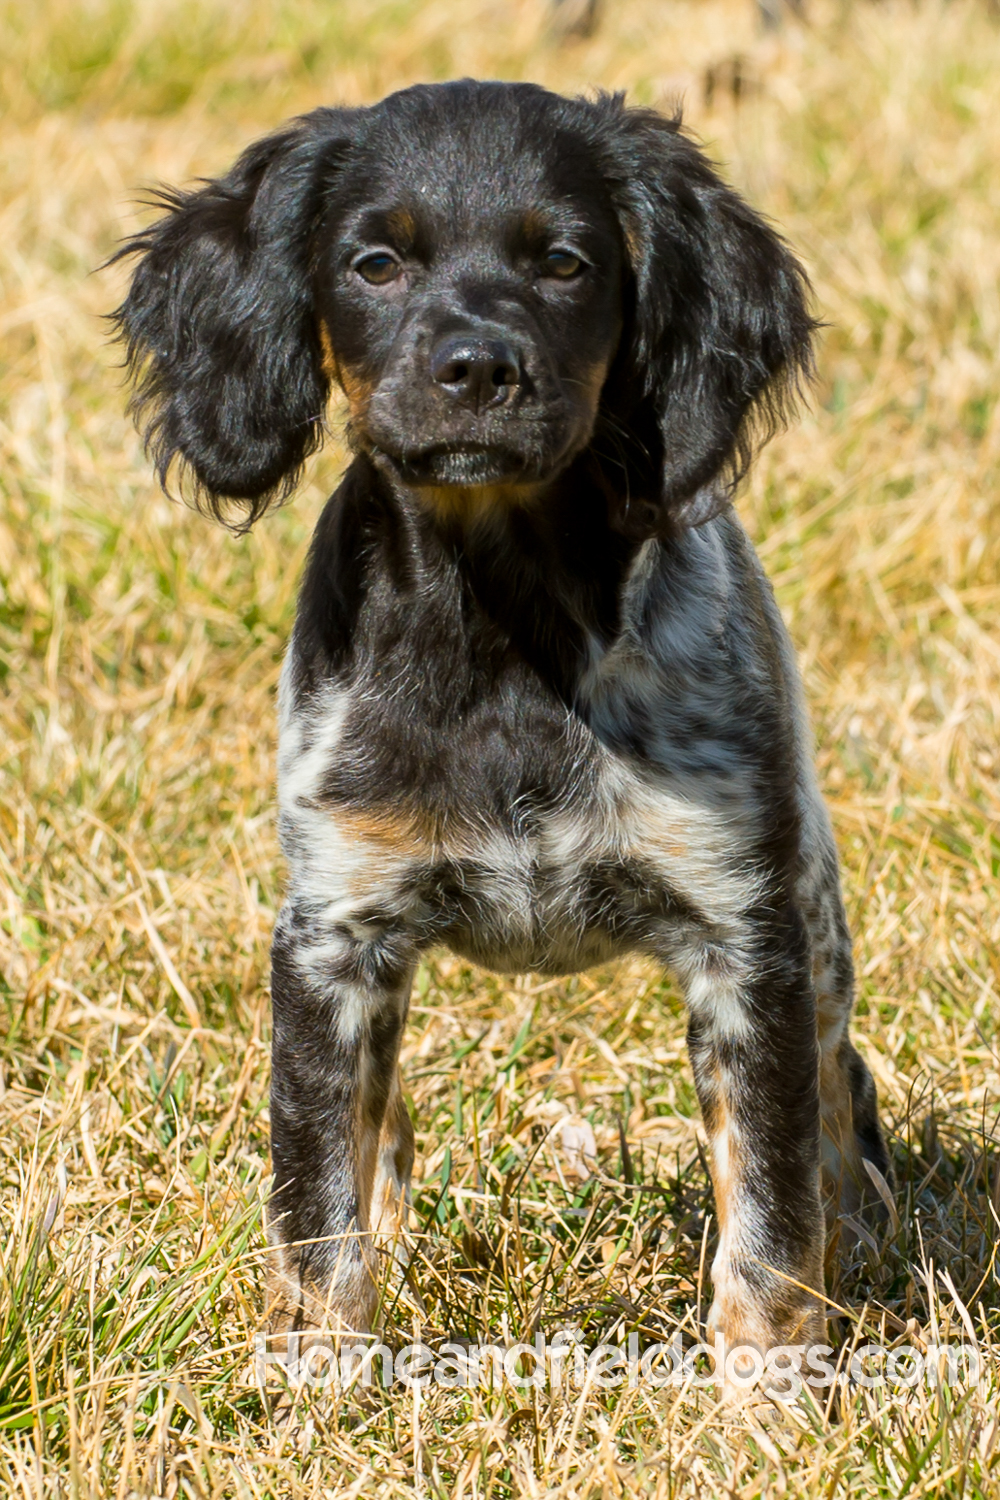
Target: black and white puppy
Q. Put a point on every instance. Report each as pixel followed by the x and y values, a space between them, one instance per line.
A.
pixel 539 704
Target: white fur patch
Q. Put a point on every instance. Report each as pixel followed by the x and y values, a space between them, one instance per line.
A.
pixel 718 1005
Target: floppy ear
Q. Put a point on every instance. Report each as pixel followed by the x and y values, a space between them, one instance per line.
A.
pixel 720 336
pixel 218 325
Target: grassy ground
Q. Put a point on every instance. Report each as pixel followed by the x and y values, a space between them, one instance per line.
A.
pixel 139 649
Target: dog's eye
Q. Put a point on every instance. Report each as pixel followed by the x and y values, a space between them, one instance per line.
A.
pixel 378 269
pixel 562 264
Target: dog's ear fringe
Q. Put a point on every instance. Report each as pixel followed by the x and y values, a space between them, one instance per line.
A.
pixel 219 341
pixel 722 337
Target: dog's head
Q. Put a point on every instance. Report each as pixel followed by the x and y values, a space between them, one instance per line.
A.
pixel 499 279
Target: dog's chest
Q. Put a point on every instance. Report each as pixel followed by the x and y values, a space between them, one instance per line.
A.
pixel 507 830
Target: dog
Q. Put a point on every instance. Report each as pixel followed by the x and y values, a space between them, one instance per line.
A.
pixel 539 704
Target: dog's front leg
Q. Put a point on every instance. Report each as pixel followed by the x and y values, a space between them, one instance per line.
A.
pixel 752 1040
pixel 341 1138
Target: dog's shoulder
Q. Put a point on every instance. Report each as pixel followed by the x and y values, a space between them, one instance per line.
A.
pixel 700 680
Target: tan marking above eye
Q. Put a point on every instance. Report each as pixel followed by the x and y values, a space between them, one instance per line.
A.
pixel 402 226
pixel 534 226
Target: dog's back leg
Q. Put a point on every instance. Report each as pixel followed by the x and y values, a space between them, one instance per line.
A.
pixel 852 1133
pixel 393 1167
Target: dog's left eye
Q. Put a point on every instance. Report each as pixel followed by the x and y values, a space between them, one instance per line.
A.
pixel 378 269
pixel 562 264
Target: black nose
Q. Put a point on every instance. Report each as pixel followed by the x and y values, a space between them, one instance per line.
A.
pixel 478 372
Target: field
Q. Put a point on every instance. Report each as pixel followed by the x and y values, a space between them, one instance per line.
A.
pixel 139 872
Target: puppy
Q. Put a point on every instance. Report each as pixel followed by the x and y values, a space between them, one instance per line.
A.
pixel 539 704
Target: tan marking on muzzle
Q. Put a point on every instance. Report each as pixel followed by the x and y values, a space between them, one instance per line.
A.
pixel 330 368
pixel 467 502
pixel 357 390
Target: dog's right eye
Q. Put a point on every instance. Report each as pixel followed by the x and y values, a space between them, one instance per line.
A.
pixel 563 265
pixel 378 269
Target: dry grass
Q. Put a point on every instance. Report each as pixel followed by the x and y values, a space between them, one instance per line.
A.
pixel 139 649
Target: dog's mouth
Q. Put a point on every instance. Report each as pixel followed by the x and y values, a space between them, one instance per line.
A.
pixel 465 466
